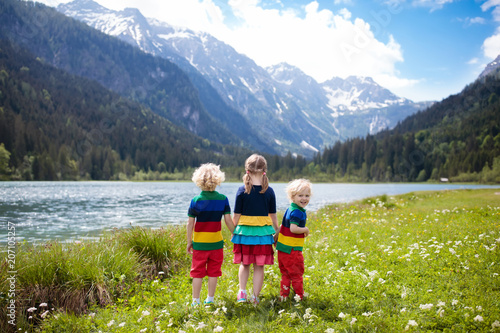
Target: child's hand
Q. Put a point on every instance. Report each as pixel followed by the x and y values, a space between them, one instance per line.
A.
pixel 306 231
pixel 189 248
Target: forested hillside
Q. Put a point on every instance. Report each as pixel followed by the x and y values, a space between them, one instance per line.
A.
pixel 56 126
pixel 458 138
pixel 78 49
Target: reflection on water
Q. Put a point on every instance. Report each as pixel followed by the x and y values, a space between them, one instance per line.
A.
pixel 44 211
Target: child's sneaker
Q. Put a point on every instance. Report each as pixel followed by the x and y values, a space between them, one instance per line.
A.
pixel 242 297
pixel 207 302
pixel 195 303
pixel 254 300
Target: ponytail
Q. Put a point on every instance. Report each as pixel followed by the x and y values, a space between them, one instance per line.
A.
pixel 247 180
pixel 265 183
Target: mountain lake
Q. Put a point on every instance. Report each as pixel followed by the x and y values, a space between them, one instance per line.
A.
pixel 70 211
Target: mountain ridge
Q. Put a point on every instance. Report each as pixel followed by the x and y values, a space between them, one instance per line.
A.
pixel 253 92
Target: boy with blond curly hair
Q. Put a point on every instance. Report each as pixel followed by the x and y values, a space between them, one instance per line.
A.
pixel 204 230
pixel 291 238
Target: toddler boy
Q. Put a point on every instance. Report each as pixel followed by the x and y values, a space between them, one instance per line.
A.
pixel 291 238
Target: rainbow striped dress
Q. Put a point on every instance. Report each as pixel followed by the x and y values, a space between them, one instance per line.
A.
pixel 253 236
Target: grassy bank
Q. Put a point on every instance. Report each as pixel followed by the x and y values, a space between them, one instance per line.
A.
pixel 417 262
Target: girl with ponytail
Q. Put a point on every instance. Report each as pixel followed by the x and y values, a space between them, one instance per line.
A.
pixel 256 223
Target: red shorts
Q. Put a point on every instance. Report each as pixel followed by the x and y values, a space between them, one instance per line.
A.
pixel 207 263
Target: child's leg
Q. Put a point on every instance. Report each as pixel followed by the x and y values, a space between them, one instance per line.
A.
pixel 197 283
pixel 297 274
pixel 243 275
pixel 214 264
pixel 285 278
pixel 212 285
pixel 258 279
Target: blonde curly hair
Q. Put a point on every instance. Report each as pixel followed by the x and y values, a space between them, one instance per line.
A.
pixel 296 186
pixel 208 176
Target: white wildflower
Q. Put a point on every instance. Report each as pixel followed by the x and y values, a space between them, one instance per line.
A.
pixel 478 318
pixel 496 324
pixel 201 325
pixel 441 304
pixel 479 308
pixel 146 313
pixel 111 323
pixel 426 306
pixel 329 330
pixel 454 302
pixel 412 323
pixel 33 309
pixel 121 324
pixel 218 329
pixel 42 305
pixel 297 298
pixel 43 315
pixel 143 330
pixel 353 321
pixel 342 315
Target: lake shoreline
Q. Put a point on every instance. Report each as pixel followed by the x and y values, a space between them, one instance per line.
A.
pixel 59 210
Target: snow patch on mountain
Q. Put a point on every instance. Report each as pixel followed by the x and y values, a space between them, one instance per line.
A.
pixel 306 145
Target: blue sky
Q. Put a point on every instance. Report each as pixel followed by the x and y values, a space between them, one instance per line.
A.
pixel 418 49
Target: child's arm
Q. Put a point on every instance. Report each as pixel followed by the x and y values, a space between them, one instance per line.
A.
pixel 274 218
pixel 298 230
pixel 236 219
pixel 190 227
pixel 229 222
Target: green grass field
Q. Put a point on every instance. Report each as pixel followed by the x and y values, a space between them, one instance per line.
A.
pixel 417 262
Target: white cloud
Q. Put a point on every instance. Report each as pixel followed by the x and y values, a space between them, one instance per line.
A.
pixel 432 4
pixel 491 45
pixel 473 61
pixel 496 10
pixel 321 43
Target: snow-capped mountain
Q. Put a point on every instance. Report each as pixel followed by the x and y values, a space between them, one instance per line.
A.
pixel 492 66
pixel 286 108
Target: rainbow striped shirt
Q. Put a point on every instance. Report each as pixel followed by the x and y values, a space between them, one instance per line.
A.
pixel 288 241
pixel 208 208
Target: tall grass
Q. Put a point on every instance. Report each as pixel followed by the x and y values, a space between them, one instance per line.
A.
pixel 73 277
pixel 161 250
